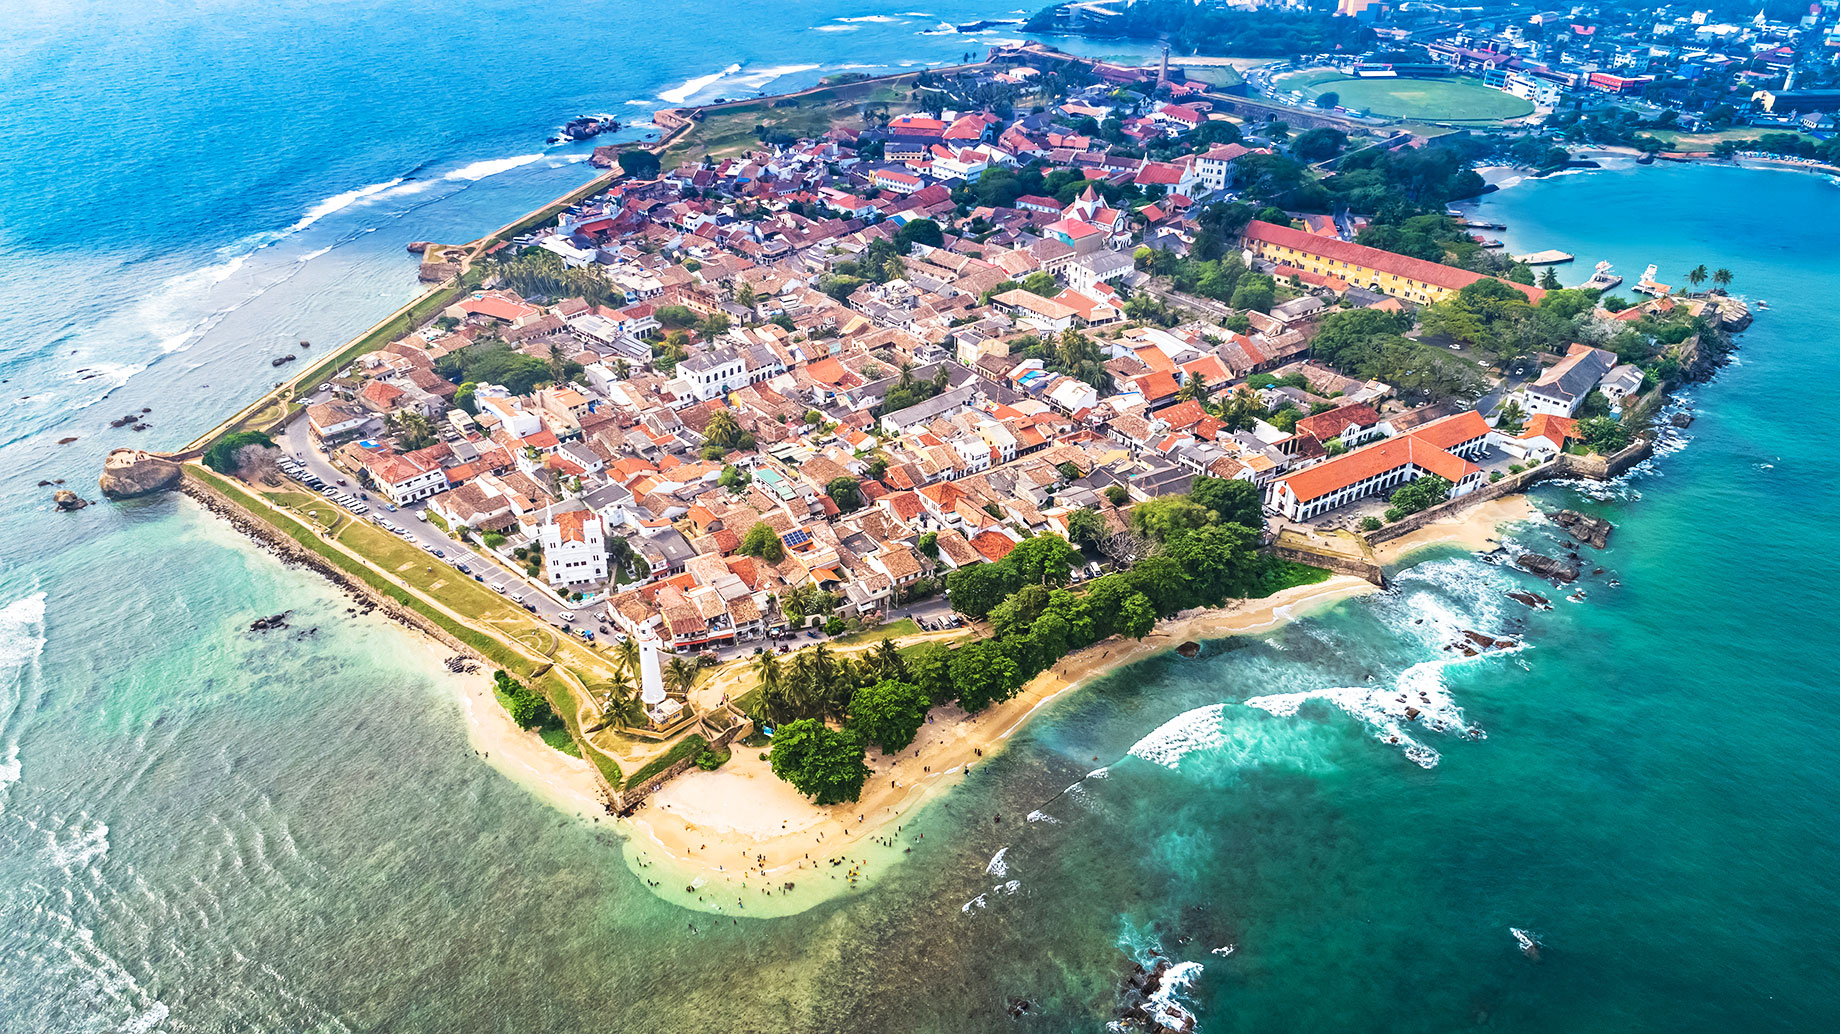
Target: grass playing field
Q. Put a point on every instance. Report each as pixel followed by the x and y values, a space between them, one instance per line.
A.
pixel 1435 100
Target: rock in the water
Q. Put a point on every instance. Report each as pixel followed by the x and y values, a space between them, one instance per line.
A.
pixel 1546 567
pixel 128 473
pixel 1584 527
pixel 67 500
pixel 1531 599
pixel 1189 649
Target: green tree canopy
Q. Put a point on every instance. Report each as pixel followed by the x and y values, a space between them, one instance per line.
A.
pixel 820 762
pixel 763 542
pixel 888 713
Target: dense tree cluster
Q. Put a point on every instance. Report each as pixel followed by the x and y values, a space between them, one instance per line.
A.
pixel 222 455
pixel 1418 494
pixel 1371 345
pixel 492 361
pixel 528 708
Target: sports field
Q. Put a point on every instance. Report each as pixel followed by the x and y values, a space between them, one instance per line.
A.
pixel 1434 100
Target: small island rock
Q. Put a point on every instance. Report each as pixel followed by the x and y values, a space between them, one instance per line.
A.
pixel 1583 526
pixel 128 473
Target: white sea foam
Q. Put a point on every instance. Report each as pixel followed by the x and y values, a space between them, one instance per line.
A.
pixel 339 202
pixel 146 1021
pixel 997 866
pixel 835 28
pixel 22 631
pixel 1419 689
pixel 491 167
pixel 1044 817
pixel 311 255
pixel 692 87
pixel 980 901
pixel 1169 1004
pixel 880 18
pixel 78 846
pixel 758 78
pixel 1170 742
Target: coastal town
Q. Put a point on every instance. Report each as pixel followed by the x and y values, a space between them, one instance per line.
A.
pixel 760 460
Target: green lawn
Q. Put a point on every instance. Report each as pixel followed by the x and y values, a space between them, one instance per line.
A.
pixel 1438 100
pixel 729 129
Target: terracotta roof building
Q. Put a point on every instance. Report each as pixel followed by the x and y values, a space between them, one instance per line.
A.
pixel 1444 447
pixel 1411 279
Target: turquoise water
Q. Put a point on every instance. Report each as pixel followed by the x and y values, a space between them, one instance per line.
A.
pixel 203 829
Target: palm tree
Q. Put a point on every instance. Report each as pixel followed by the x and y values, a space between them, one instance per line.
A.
pixel 767 669
pixel 1697 275
pixel 1722 277
pixel 680 676
pixel 621 701
pixel 628 654
pixel 1510 416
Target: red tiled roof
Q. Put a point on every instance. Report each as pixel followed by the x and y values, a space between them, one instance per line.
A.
pixel 1327 425
pixel 1424 448
pixel 993 546
pixel 1434 273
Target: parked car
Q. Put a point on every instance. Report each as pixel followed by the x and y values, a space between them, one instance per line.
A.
pixel 567 616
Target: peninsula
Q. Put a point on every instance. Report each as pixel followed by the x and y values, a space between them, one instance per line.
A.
pixel 774 477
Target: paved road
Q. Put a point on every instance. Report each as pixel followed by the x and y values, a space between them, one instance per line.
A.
pixel 297 442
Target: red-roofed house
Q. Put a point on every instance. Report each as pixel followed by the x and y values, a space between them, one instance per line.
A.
pixel 1177 118
pixel 1443 447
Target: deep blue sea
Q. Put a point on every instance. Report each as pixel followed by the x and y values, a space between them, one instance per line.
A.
pixel 204 830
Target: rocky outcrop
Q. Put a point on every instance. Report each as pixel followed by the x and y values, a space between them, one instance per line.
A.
pixel 1546 567
pixel 128 473
pixel 1583 526
pixel 67 500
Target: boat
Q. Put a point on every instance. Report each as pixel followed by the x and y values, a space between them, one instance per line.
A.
pixel 1604 278
pixel 1648 285
pixel 1762 305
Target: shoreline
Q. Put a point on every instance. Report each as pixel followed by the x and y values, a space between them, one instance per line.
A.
pixel 740 830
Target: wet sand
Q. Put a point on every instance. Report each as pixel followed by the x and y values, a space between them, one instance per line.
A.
pixel 558 779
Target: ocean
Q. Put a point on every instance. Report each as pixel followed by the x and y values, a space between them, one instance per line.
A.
pixel 208 829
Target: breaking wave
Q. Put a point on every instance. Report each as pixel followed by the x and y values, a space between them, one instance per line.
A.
pixel 691 87
pixel 491 167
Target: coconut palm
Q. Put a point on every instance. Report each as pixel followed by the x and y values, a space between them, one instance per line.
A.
pixel 1697 275
pixel 680 676
pixel 767 669
pixel 1510 416
pixel 627 652
pixel 621 701
pixel 1722 277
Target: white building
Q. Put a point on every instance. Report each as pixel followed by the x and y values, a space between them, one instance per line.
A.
pixel 574 545
pixel 1215 165
pixel 714 374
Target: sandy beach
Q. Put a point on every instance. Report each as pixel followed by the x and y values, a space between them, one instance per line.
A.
pixel 741 833
pixel 1475 528
pixel 560 780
